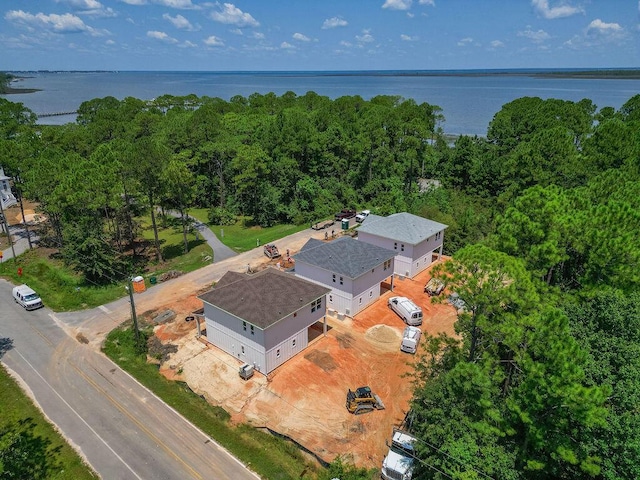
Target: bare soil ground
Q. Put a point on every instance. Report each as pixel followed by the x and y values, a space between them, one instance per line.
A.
pixel 304 398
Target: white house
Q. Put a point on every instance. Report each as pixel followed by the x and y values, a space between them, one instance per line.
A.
pixel 417 241
pixel 353 271
pixel 263 319
pixel 6 197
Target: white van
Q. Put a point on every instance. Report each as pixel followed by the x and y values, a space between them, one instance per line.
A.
pixel 410 339
pixel 26 297
pixel 407 310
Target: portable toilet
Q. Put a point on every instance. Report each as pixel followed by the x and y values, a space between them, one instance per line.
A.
pixel 138 284
pixel 345 224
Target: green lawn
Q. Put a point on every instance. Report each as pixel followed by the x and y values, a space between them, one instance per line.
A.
pixel 30 447
pixel 242 238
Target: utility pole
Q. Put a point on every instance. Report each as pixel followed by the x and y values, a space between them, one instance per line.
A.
pixel 133 314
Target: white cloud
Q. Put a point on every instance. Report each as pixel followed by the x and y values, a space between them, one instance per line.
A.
pixel 65 23
pixel 232 15
pixel 334 22
pixel 135 2
pixel 258 35
pixel 602 28
pixel 344 43
pixel 156 35
pixel 237 31
pixel 180 22
pixel 408 38
pixel 91 8
pixel 110 42
pixel 550 13
pixel 366 37
pixel 301 37
pixel 496 44
pixel 465 41
pixel 175 3
pixel 431 3
pixel 538 37
pixel 187 44
pixel 213 41
pixel 397 4
pixel 286 45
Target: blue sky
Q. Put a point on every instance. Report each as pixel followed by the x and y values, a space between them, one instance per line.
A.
pixel 255 35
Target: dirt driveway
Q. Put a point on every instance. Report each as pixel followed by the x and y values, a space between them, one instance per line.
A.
pixel 304 398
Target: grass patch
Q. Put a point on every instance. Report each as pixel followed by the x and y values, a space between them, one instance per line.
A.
pixel 62 289
pixel 267 455
pixel 241 237
pixel 41 451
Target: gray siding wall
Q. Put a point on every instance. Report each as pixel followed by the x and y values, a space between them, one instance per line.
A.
pixel 353 295
pixel 227 333
pixel 266 349
pixel 289 326
pixel 414 258
pixel 340 298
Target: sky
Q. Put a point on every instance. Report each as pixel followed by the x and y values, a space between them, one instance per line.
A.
pixel 318 35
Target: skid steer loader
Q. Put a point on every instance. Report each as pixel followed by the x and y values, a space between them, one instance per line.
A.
pixel 363 400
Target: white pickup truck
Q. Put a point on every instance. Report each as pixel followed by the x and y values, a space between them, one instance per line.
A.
pixel 398 463
pixel 27 297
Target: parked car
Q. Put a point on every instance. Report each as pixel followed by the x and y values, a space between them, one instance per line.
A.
pixel 27 297
pixel 406 309
pixel 362 215
pixel 410 339
pixel 345 214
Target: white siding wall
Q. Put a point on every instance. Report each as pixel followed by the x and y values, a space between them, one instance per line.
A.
pixel 285 350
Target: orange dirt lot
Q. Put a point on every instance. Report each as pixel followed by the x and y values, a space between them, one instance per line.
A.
pixel 304 398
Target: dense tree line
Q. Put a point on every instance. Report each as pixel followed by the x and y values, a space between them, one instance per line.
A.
pixel 543 214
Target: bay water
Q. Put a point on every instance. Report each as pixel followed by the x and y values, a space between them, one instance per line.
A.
pixel 468 99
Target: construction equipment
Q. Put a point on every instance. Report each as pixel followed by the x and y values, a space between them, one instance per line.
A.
pixel 363 400
pixel 434 287
pixel 271 251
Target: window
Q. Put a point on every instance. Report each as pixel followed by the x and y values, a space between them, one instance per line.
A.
pixel 341 281
pixel 252 330
pixel 293 342
pixel 395 245
pixel 371 294
pixel 373 270
pixel 330 298
pixel 242 349
pixel 316 305
pixel 244 326
pixel 278 353
pixel 387 264
pixel 402 247
pixel 360 300
pixel 334 278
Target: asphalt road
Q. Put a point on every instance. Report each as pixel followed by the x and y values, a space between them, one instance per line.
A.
pixel 122 429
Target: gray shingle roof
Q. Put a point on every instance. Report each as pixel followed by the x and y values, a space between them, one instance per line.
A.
pixel 344 256
pixel 403 227
pixel 263 298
